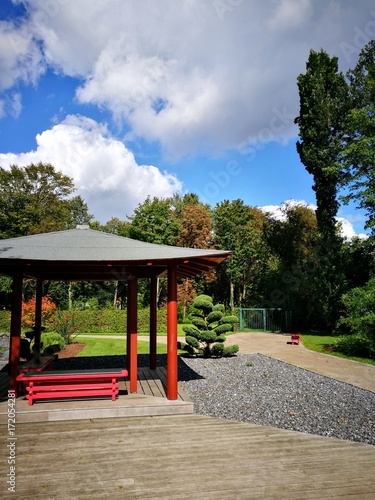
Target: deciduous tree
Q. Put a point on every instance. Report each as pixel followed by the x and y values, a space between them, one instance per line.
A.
pixel 324 106
pixel 358 156
pixel 35 199
pixel 153 221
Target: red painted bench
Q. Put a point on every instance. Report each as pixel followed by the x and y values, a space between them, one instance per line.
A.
pixel 71 383
pixel 46 363
pixel 295 338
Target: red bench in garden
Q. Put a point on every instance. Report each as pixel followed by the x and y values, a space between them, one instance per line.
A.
pixel 71 383
pixel 45 363
pixel 295 338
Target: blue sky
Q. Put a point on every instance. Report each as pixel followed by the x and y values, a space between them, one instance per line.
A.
pixel 136 98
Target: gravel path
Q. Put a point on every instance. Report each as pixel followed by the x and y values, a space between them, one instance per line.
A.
pixel 262 390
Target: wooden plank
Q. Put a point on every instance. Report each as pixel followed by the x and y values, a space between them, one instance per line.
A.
pixel 161 373
pixel 155 384
pixel 144 383
pixel 114 458
pixel 156 387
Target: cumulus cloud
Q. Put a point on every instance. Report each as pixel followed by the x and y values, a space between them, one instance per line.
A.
pixel 192 75
pixel 104 171
pixel 278 212
pixel 21 59
pixel 347 230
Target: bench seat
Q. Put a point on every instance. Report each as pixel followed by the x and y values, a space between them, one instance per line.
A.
pixel 46 363
pixel 71 383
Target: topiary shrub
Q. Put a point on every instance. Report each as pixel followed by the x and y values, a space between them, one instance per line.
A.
pixel 205 336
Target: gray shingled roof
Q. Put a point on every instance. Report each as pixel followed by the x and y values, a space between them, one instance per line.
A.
pixel 89 245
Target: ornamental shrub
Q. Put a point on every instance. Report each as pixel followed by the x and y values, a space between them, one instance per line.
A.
pixel 214 316
pixel 229 319
pixel 191 330
pixel 205 337
pixel 219 307
pixel 65 326
pixel 360 307
pixel 355 345
pixel 51 338
pixel 49 310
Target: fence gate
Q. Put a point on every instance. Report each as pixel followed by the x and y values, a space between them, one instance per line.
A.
pixel 268 320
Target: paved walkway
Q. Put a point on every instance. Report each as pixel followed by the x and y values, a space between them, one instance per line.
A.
pixel 276 345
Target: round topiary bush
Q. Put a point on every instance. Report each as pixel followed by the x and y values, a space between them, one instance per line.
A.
pixel 205 336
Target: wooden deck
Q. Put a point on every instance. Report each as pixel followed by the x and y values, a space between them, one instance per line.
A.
pixel 185 457
pixel 150 400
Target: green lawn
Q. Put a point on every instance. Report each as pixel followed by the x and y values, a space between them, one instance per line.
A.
pixel 317 341
pixel 109 347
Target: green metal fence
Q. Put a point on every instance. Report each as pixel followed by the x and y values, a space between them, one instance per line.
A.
pixel 268 320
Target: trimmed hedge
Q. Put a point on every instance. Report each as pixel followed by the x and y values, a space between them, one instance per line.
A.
pixel 114 320
pixel 102 321
pixel 4 321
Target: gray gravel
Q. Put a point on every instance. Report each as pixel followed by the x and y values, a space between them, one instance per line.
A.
pixel 262 390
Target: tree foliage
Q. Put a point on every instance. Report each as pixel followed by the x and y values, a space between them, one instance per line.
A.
pixel 240 228
pixel 35 199
pixel 358 155
pixel 49 310
pixel 153 221
pixel 324 106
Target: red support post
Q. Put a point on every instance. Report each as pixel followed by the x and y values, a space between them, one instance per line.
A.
pixel 172 360
pixel 132 333
pixel 153 321
pixel 15 331
pixel 38 313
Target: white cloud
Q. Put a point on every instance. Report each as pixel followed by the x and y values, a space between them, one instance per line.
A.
pixel 278 212
pixel 20 57
pixel 193 75
pixel 347 229
pixel 290 14
pixel 103 169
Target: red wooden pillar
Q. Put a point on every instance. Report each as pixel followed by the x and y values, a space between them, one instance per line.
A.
pixel 15 331
pixel 153 321
pixel 38 313
pixel 131 334
pixel 172 371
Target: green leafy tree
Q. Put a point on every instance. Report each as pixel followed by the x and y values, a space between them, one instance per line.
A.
pixel 239 228
pixel 360 318
pixel 358 155
pixel 35 199
pixel 359 261
pixel 153 221
pixel 78 212
pixel 324 105
pixel 291 283
pixel 206 335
